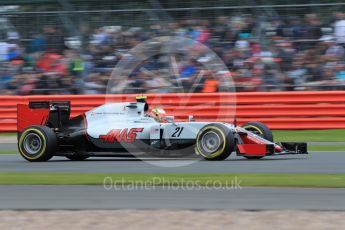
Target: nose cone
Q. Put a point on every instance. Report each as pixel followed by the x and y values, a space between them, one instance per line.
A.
pixel 278 148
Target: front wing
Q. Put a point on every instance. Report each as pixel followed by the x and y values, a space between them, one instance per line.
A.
pixel 288 148
pixel 250 144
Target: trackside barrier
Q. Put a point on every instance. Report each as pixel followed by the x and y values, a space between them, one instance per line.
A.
pixel 279 110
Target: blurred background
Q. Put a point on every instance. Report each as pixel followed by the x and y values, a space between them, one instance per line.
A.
pixel 72 46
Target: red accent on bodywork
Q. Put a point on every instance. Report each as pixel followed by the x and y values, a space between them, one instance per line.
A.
pixel 27 117
pixel 252 149
pixel 121 135
pixel 277 148
pixel 85 127
pixel 249 138
pixel 132 135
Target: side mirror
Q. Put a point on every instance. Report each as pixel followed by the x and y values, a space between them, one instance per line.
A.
pixel 191 118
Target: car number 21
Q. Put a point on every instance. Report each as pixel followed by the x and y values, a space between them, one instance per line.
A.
pixel 177 132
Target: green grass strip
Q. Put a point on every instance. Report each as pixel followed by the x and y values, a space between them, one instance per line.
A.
pixel 202 179
pixel 8 134
pixel 329 135
pixel 333 135
pixel 311 148
pixel 326 148
pixel 9 152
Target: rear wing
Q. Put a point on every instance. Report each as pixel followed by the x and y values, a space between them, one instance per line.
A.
pixel 50 113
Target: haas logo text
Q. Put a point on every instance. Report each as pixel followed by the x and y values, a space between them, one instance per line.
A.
pixel 121 135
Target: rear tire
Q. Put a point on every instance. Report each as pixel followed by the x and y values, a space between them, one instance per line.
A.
pixel 215 142
pixel 260 129
pixel 37 143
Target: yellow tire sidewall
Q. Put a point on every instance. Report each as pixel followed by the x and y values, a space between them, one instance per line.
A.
pixel 22 138
pixel 219 151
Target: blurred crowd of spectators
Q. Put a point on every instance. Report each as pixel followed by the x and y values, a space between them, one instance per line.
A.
pixel 279 54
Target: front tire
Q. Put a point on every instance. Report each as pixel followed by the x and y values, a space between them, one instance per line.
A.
pixel 215 142
pixel 37 143
pixel 261 130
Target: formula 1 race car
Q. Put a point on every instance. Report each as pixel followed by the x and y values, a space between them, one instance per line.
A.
pixel 45 129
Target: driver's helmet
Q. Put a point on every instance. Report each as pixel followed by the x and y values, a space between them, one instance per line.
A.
pixel 157 112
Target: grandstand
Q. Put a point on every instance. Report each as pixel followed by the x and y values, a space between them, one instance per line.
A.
pixel 71 46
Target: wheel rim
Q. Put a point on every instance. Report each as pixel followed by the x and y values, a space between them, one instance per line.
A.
pixel 210 142
pixel 32 143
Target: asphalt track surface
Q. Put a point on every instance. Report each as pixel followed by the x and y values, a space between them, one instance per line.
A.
pixel 316 162
pixel 8 146
pixel 97 197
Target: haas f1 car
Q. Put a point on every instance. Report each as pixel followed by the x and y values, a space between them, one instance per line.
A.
pixel 45 129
